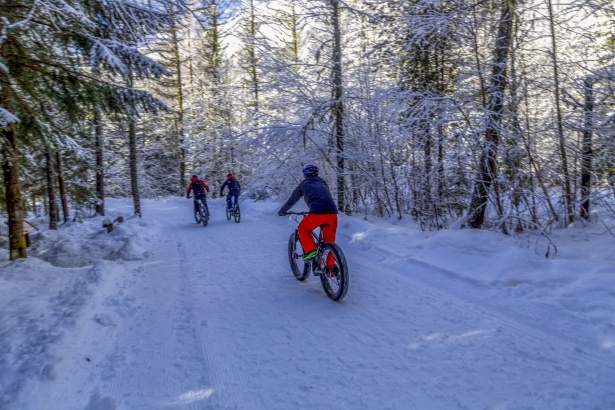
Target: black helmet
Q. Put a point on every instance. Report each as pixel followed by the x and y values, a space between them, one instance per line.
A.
pixel 195 176
pixel 310 170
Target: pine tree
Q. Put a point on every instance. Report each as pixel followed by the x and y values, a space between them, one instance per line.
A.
pixel 56 60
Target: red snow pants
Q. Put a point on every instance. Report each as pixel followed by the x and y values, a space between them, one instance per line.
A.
pixel 313 221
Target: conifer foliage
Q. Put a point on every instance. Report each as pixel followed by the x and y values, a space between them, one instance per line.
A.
pixel 59 60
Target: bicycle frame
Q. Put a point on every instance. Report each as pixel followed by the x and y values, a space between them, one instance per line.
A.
pixel 329 264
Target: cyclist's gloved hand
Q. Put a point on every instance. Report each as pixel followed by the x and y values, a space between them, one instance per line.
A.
pixel 280 213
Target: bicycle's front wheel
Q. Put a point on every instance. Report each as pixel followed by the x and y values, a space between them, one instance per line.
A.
pixel 300 269
pixel 237 213
pixel 334 278
pixel 204 215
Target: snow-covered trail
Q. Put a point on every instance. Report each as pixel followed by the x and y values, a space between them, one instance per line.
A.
pixel 213 319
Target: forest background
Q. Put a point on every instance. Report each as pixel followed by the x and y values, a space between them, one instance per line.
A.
pixel 484 114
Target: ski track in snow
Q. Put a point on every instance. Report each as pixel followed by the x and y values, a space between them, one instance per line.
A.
pixel 214 319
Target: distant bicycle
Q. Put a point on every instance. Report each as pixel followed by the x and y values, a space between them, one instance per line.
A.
pixel 201 214
pixel 233 211
pixel 329 263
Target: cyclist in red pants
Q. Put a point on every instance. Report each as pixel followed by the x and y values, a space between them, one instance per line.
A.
pixel 323 211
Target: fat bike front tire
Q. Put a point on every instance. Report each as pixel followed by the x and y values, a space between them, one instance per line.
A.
pixel 300 269
pixel 334 281
pixel 204 216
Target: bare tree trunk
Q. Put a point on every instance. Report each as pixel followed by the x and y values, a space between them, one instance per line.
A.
pixel 253 72
pixel 181 151
pixel 51 192
pixel 488 163
pixel 10 169
pixel 338 107
pixel 100 164
pixel 132 146
pixel 14 199
pixel 134 180
pixel 568 198
pixel 587 155
pixel 62 186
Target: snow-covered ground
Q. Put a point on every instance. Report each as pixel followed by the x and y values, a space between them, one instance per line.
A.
pixel 163 313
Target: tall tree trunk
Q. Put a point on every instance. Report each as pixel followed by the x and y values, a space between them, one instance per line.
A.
pixel 587 155
pixel 14 199
pixel 254 80
pixel 100 164
pixel 51 192
pixel 134 173
pixel 10 169
pixel 62 186
pixel 181 151
pixel 134 180
pixel 568 198
pixel 338 107
pixel 488 164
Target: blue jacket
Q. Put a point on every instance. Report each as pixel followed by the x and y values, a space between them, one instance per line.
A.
pixel 233 186
pixel 316 194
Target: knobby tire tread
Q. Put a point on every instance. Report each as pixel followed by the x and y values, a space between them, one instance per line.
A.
pixel 293 243
pixel 340 259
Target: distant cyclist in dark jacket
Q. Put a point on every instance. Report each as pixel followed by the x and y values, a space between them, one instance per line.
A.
pixel 199 188
pixel 233 190
pixel 323 211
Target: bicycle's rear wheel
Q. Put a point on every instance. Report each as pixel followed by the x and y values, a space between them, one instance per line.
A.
pixel 300 269
pixel 237 213
pixel 197 215
pixel 334 281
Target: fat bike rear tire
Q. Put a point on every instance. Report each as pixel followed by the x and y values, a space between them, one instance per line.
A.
pixel 237 213
pixel 334 281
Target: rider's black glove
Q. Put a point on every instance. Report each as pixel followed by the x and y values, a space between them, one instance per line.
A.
pixel 280 213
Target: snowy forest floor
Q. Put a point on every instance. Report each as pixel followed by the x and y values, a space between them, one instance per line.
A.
pixel 163 313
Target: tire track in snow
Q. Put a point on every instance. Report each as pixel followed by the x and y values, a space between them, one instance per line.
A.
pixel 197 279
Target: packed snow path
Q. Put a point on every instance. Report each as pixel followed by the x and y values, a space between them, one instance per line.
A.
pixel 212 318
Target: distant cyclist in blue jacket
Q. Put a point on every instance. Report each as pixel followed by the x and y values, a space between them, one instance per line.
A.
pixel 233 190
